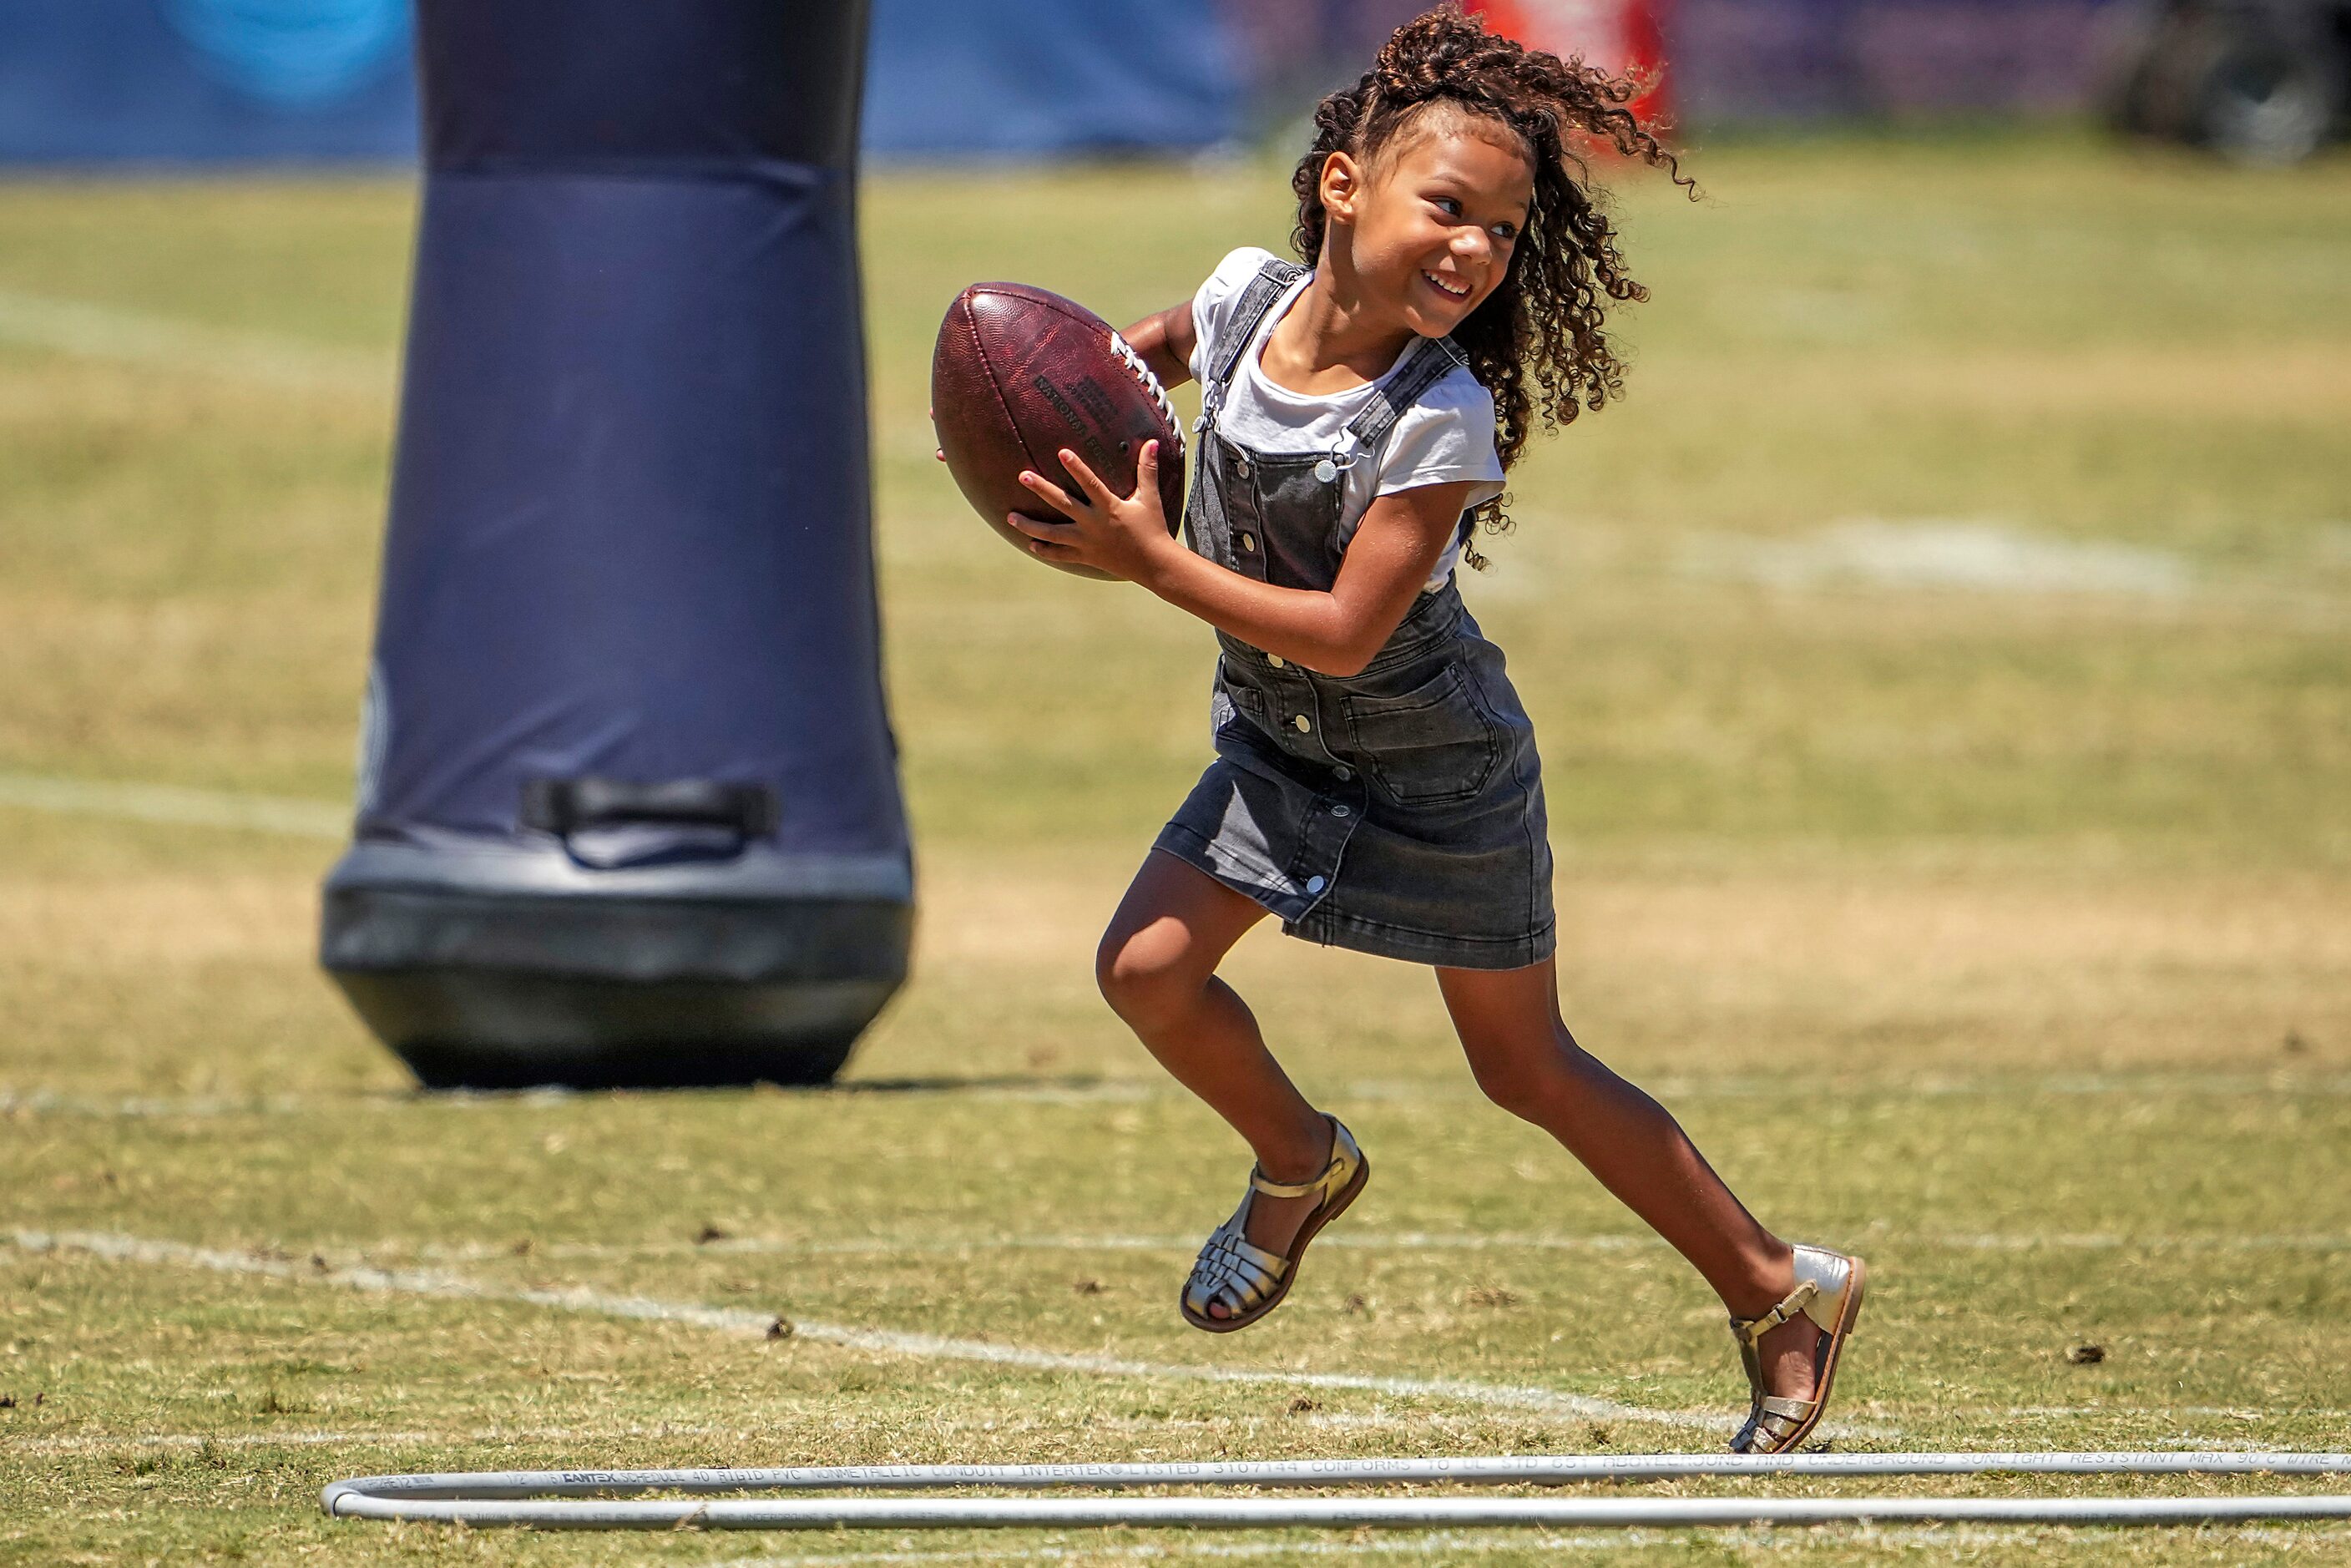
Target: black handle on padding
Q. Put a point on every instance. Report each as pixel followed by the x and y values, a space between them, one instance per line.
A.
pixel 567 805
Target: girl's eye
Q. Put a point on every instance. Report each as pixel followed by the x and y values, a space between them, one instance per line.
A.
pixel 1506 231
pixel 1448 205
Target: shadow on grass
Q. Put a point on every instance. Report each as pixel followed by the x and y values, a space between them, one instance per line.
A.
pixel 1006 1085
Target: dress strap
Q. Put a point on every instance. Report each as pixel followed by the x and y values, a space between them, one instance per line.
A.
pixel 1433 358
pixel 1273 278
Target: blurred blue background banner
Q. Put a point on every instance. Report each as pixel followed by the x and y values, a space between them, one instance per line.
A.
pixel 1011 77
pixel 203 81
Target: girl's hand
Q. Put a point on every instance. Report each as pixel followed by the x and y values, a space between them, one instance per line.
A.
pixel 1122 536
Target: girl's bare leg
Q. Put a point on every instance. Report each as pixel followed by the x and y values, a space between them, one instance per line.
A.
pixel 1527 1062
pixel 1157 967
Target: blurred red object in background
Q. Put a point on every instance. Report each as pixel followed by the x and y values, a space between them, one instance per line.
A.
pixel 1623 37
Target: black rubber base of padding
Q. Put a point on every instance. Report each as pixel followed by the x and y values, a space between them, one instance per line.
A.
pixel 507 991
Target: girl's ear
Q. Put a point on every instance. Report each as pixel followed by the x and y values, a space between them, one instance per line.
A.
pixel 1341 186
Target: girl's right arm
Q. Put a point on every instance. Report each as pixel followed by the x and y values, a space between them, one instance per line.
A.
pixel 1166 341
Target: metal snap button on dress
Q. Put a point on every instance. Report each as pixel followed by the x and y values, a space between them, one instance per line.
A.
pixel 1277 661
pixel 1303 723
pixel 1249 541
pixel 1315 885
pixel 1339 811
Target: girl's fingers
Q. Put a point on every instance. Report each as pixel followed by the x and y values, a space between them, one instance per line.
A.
pixel 1060 500
pixel 1096 491
pixel 1058 534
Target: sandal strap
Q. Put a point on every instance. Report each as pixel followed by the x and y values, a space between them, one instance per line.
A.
pixel 1272 1188
pixel 1228 1244
pixel 1752 1330
pixel 1767 1432
pixel 1232 1267
pixel 1316 1186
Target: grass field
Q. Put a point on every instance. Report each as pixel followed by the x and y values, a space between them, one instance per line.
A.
pixel 1943 663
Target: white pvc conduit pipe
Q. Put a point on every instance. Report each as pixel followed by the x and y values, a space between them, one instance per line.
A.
pixel 594 1499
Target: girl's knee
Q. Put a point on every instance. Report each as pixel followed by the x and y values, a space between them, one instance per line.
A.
pixel 1525 1083
pixel 1513 1088
pixel 1143 974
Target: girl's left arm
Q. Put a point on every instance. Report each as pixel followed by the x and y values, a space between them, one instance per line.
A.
pixel 1336 632
pixel 1166 340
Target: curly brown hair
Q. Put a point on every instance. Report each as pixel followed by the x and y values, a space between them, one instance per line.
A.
pixel 1543 324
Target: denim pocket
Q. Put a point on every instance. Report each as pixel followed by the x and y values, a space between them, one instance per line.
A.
pixel 1233 699
pixel 1426 746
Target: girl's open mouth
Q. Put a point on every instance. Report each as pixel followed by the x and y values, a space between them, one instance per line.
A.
pixel 1444 287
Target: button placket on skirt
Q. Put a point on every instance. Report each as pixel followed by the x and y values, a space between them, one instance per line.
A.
pixel 1321 843
pixel 1334 812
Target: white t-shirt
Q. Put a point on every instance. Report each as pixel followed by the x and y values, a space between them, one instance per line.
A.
pixel 1446 437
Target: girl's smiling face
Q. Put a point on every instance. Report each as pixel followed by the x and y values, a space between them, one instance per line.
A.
pixel 1428 221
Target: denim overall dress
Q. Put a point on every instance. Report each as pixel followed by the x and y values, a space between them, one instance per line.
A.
pixel 1398 812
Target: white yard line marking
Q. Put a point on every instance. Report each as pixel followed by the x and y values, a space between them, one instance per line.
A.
pixel 1369 1241
pixel 106 332
pixel 202 1107
pixel 1930 1086
pixel 79 1443
pixel 388 1282
pixel 50 1102
pixel 1549 1401
pixel 180 806
pixel 732 1320
pixel 1937 553
pixel 2236 1414
pixel 93 1443
pixel 2028 1242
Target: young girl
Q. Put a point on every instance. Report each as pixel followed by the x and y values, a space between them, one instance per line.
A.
pixel 1376 783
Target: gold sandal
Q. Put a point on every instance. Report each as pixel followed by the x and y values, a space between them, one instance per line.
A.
pixel 1249 1280
pixel 1828 1293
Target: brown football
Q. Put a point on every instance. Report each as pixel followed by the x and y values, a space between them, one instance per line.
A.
pixel 1021 373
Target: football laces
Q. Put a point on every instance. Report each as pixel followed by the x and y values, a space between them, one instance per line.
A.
pixel 1133 361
